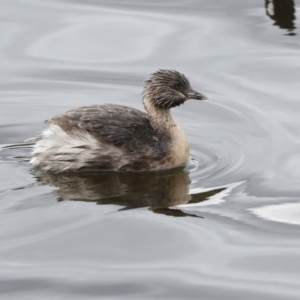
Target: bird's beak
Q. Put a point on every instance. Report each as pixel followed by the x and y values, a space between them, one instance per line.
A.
pixel 196 95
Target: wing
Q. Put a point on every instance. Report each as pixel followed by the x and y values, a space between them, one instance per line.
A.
pixel 117 125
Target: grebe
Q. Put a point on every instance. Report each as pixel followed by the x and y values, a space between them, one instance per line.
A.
pixel 117 137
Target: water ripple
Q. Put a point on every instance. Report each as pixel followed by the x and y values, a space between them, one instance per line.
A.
pixel 242 182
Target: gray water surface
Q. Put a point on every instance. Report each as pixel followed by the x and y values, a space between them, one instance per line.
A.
pixel 224 227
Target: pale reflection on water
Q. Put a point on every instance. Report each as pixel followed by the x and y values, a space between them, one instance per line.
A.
pixel 224 227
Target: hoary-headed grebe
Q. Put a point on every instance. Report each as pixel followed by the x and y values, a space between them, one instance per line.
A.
pixel 117 137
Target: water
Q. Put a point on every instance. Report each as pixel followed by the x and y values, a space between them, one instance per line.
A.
pixel 234 230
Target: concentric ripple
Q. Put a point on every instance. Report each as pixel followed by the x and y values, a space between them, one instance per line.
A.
pixel 228 225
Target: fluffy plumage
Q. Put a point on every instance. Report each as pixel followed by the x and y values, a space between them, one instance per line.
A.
pixel 117 137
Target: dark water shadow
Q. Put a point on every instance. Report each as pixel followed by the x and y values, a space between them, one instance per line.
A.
pixel 157 190
pixel 283 13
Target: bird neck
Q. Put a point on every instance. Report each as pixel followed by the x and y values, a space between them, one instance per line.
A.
pixel 160 119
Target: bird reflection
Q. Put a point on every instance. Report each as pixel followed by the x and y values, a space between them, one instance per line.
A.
pixel 157 190
pixel 283 13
